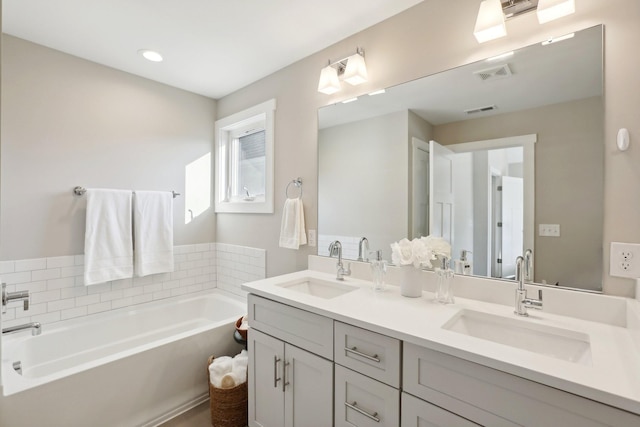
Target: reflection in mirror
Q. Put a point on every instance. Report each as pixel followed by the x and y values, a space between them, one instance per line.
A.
pixel 499 156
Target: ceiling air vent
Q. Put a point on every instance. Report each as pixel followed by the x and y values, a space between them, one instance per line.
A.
pixel 498 72
pixel 481 109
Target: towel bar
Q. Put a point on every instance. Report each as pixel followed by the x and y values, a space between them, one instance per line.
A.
pixel 80 191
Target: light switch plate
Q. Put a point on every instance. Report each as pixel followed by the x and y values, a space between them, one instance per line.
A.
pixel 311 238
pixel 549 230
pixel 624 260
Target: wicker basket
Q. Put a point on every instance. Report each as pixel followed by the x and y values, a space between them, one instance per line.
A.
pixel 228 405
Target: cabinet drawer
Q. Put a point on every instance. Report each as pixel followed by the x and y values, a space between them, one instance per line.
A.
pixel 363 402
pixel 416 412
pixel 463 387
pixel 303 329
pixel 373 354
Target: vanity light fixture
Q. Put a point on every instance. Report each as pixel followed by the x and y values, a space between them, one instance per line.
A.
pixel 329 82
pixel 548 10
pixel 490 23
pixel 151 55
pixel 351 69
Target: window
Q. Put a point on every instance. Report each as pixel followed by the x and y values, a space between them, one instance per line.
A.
pixel 244 148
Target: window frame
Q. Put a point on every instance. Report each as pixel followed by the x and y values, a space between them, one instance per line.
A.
pixel 261 114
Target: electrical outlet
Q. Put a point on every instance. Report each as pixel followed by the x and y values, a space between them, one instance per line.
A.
pixel 311 240
pixel 623 260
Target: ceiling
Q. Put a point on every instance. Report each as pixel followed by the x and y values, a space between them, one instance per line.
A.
pixel 540 75
pixel 210 47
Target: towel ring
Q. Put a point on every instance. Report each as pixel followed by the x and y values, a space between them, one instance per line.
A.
pixel 296 182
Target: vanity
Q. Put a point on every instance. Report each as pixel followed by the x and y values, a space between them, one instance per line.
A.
pixel 325 352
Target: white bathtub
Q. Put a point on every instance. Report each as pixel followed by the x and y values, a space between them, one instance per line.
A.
pixel 137 366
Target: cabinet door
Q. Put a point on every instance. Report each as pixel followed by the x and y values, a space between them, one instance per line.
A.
pixel 418 413
pixel 364 402
pixel 266 399
pixel 308 389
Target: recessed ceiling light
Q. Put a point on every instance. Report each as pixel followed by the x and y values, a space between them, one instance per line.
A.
pixel 151 55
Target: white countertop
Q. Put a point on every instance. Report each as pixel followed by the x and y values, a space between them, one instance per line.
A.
pixel 613 377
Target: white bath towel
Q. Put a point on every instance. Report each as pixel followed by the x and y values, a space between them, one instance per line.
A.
pixel 292 231
pixel 220 367
pixel 153 232
pixel 108 243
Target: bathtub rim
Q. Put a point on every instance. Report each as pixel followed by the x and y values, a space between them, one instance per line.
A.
pixel 13 383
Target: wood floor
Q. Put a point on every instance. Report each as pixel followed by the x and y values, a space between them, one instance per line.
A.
pixel 199 416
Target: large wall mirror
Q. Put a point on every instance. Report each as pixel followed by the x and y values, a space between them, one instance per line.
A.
pixel 498 156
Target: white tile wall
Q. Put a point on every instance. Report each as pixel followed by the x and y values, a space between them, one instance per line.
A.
pixel 57 290
pixel 239 264
pixel 349 245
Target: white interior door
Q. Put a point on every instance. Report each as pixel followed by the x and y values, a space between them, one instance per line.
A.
pixel 420 186
pixel 512 223
pixel 441 191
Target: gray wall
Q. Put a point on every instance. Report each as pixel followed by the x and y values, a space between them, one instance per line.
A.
pixel 429 38
pixel 71 122
pixel 569 185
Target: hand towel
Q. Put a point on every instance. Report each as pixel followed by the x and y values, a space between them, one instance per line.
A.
pixel 108 243
pixel 153 232
pixel 292 231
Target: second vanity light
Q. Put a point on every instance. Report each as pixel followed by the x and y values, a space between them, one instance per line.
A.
pixel 351 69
pixel 490 23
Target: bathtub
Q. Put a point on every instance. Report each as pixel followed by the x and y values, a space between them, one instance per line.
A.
pixel 136 366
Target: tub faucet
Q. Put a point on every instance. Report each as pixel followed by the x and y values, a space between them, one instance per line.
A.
pixel 8 297
pixel 528 266
pixel 362 253
pixel 335 248
pixel 36 328
pixel 522 302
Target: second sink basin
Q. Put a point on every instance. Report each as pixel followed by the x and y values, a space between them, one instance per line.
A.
pixel 319 288
pixel 551 341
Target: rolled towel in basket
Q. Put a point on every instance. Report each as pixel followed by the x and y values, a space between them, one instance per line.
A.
pixel 219 368
pixel 230 380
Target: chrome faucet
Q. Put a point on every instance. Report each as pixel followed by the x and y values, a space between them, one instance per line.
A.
pixel 528 266
pixel 8 297
pixel 36 328
pixel 361 252
pixel 335 248
pixel 522 302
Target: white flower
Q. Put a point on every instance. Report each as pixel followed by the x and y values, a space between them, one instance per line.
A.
pixel 438 245
pixel 401 252
pixel 420 251
pixel 422 254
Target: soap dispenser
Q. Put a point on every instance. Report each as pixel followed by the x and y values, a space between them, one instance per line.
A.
pixel 463 265
pixel 378 270
pixel 444 277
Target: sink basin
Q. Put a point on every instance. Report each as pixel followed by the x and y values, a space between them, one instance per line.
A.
pixel 547 340
pixel 319 288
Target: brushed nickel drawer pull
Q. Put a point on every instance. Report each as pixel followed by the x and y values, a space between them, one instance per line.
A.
pixel 276 359
pixel 354 406
pixel 354 350
pixel 284 375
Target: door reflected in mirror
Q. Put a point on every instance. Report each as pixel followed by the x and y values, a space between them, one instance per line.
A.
pixel 490 155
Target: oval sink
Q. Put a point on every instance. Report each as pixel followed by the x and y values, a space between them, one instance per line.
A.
pixel 547 340
pixel 319 288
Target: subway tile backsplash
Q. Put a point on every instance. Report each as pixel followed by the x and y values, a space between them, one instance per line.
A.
pixel 57 290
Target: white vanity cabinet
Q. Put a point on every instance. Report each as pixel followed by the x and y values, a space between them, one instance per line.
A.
pixel 367 378
pixel 288 386
pixel 462 388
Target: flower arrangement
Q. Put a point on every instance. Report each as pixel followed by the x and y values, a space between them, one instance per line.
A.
pixel 419 252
